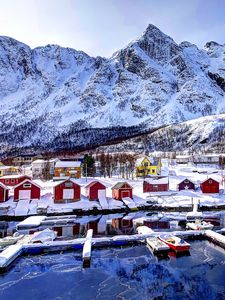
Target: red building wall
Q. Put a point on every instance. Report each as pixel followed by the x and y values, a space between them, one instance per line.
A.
pixel 14 181
pixel 147 187
pixel 93 190
pixel 4 194
pixel 210 186
pixel 35 191
pixel 58 191
pixel 118 194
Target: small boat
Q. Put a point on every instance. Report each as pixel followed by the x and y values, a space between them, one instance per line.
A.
pixel 157 245
pixel 199 225
pixel 175 243
pixel 44 236
pixel 9 240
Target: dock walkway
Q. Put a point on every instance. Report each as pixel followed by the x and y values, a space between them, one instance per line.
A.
pixel 23 246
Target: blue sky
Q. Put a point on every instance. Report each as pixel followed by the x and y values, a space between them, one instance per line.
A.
pixel 100 27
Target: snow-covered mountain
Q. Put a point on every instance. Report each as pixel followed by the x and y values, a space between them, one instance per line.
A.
pixel 205 134
pixel 53 94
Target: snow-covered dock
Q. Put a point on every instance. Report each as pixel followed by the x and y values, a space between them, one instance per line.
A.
pixel 87 249
pixel 36 221
pixel 24 245
pixel 216 237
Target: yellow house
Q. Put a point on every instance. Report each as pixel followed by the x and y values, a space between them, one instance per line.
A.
pixel 67 169
pixel 146 166
pixel 8 170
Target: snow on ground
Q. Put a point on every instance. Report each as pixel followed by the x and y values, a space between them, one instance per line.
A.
pixel 172 198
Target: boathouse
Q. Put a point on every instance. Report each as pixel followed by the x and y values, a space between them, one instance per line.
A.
pixel 4 192
pixel 94 190
pixel 122 190
pixel 12 180
pixel 27 189
pixel 66 191
pixel 186 184
pixel 156 184
pixel 210 186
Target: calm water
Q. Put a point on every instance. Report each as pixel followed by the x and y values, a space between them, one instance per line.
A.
pixel 128 273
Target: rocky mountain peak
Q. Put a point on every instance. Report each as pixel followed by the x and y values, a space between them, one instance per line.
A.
pixel 49 91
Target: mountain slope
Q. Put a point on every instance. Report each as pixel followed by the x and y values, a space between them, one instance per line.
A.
pixel 48 92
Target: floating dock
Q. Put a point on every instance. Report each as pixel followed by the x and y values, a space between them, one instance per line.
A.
pixel 36 221
pixel 215 237
pixel 23 246
pixel 87 249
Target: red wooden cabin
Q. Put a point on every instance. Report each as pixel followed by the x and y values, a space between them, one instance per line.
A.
pixel 210 186
pixel 66 191
pixel 186 184
pixel 13 180
pixel 156 184
pixel 4 192
pixel 94 189
pixel 122 190
pixel 27 189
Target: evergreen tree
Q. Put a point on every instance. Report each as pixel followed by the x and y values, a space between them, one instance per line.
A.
pixel 89 168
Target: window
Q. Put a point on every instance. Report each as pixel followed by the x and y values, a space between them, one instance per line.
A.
pixel 210 181
pixel 27 185
pixel 153 171
pixel 6 181
pixel 13 180
pixel 146 164
pixel 68 184
pixel 186 181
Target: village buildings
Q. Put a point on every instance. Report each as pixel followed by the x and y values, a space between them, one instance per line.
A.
pixel 148 166
pixel 67 169
pixel 122 190
pixel 67 191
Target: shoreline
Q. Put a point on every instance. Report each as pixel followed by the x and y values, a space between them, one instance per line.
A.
pixel 95 212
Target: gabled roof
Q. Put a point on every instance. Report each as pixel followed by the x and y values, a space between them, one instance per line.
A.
pixel 65 164
pixel 119 185
pixel 186 179
pixel 61 182
pixel 90 184
pixel 27 180
pixel 14 176
pixel 153 160
pixel 163 180
pixel 4 186
pixel 210 179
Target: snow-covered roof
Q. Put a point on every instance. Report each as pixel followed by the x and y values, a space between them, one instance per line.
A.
pixel 14 176
pixel 210 179
pixel 119 185
pixel 6 167
pixel 25 181
pixel 153 160
pixel 94 182
pixel 163 180
pixel 65 164
pixel 38 161
pixel 3 186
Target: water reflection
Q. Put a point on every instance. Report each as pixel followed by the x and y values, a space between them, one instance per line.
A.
pixel 118 224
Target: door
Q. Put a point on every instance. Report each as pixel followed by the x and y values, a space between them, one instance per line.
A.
pixel 24 194
pixel 125 194
pixel 101 194
pixel 68 194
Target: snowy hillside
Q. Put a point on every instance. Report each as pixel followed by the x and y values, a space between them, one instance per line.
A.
pixel 202 134
pixel 49 93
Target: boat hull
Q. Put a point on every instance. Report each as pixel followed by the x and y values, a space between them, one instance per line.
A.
pixel 176 247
